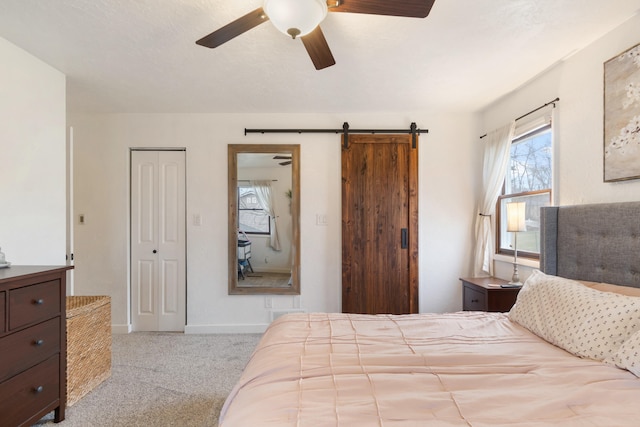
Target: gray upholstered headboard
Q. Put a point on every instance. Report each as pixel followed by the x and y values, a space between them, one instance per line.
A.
pixel 598 242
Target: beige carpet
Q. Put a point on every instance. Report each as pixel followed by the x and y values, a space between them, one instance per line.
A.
pixel 163 379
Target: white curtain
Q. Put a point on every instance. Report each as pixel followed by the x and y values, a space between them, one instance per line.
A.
pixel 555 135
pixel 497 146
pixel 263 193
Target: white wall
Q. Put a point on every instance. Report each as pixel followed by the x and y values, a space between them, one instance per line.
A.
pixel 448 162
pixel 578 81
pixel 32 159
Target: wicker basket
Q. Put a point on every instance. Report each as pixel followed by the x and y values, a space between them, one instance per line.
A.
pixel 88 344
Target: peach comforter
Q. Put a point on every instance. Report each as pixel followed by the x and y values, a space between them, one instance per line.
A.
pixel 458 369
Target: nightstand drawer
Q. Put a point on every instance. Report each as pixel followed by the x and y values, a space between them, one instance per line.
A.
pixel 487 294
pixel 33 303
pixel 474 300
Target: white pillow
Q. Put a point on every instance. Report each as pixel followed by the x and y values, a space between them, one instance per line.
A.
pixel 628 355
pixel 583 321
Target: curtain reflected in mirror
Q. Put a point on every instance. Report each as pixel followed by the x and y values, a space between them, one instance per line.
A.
pixel 264 237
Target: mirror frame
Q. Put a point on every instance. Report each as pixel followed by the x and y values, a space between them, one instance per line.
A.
pixel 233 151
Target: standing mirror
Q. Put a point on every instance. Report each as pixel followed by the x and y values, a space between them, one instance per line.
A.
pixel 264 207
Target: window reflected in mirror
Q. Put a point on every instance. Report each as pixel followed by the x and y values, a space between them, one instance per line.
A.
pixel 253 218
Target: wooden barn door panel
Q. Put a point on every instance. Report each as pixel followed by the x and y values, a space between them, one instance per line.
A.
pixel 379 225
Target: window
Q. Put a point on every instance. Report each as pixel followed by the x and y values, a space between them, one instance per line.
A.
pixel 252 219
pixel 528 180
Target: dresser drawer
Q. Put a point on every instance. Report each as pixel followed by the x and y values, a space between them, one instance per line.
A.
pixel 28 347
pixel 474 300
pixel 34 303
pixel 30 392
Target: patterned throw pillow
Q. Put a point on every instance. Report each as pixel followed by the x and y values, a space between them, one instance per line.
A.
pixel 628 355
pixel 583 321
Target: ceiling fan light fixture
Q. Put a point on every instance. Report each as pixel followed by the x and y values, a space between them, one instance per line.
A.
pixel 296 18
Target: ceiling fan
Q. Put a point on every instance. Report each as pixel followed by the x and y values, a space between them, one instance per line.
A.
pixel 286 158
pixel 301 18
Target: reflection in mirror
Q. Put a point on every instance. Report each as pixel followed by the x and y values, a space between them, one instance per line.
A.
pixel 264 236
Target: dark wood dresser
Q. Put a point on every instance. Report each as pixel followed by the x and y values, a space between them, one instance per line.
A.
pixel 33 344
pixel 485 294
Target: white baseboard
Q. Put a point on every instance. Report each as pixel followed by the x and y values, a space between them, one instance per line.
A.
pixel 225 329
pixel 121 329
pixel 204 329
pixel 263 269
pixel 257 328
pixel 277 312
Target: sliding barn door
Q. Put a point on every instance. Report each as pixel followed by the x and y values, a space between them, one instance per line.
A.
pixel 380 224
pixel 158 241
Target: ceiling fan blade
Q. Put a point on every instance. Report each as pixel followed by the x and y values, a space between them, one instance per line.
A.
pixel 282 157
pixel 318 49
pixel 234 29
pixel 408 8
pixel 285 163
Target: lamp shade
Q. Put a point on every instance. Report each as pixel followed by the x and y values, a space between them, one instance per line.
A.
pixel 515 216
pixel 295 17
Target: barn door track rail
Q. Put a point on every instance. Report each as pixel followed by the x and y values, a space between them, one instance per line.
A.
pixel 413 130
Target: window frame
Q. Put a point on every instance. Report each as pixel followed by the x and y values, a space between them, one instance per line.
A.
pixel 499 250
pixel 255 233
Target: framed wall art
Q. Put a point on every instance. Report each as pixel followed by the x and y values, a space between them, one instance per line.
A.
pixel 622 116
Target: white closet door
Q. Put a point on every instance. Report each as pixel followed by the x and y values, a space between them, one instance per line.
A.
pixel 158 243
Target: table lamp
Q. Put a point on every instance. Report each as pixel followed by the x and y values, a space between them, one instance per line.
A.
pixel 515 224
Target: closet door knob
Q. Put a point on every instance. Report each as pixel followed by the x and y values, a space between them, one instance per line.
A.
pixel 155 252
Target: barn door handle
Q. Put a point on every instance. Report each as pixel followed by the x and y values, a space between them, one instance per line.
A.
pixel 404 238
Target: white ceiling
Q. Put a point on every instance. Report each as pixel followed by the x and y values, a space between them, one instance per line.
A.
pixel 137 56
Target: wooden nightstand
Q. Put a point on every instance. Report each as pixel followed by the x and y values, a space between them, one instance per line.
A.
pixel 478 295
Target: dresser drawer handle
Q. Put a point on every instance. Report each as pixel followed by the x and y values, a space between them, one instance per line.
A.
pixel 474 300
pixel 38 343
pixel 38 389
pixel 38 301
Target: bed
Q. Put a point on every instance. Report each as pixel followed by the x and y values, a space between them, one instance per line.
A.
pixel 567 354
